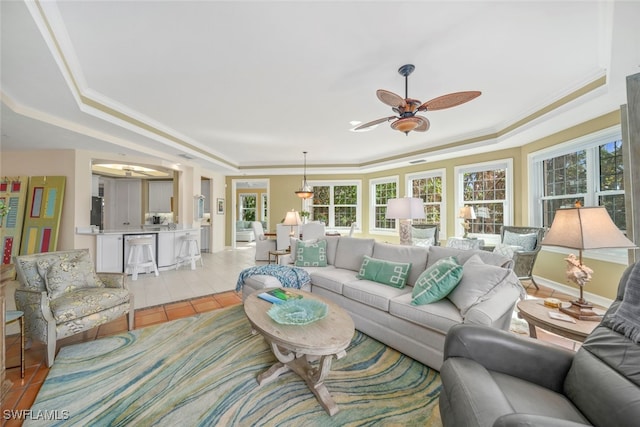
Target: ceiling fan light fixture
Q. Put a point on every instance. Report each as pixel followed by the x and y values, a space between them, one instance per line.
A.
pixel 305 192
pixel 406 125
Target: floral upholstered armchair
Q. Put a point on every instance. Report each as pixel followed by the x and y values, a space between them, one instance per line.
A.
pixel 61 295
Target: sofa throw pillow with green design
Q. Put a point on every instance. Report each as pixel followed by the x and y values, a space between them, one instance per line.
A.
pixel 526 241
pixel 67 274
pixel 311 253
pixel 437 281
pixel 385 272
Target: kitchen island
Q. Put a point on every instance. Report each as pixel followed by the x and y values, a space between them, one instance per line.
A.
pixel 112 248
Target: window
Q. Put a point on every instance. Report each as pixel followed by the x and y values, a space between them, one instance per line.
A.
pixel 588 170
pixel 429 186
pixel 382 189
pixel 336 203
pixel 487 188
pixel 247 207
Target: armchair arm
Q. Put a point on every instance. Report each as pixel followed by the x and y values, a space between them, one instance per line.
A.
pixel 37 313
pixel 523 262
pixel 113 280
pixel 501 351
pixel 530 420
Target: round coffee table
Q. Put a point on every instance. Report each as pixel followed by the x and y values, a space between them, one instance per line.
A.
pixel 295 346
pixel 537 314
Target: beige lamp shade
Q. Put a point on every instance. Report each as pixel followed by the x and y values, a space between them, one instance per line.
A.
pixel 467 212
pixel 585 228
pixel 405 208
pixel 292 218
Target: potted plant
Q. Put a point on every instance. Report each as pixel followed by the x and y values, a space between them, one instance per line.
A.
pixel 304 215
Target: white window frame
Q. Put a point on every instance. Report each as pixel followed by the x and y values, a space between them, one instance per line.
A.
pixel 459 172
pixel 240 208
pixel 442 174
pixel 590 143
pixel 306 205
pixel 372 204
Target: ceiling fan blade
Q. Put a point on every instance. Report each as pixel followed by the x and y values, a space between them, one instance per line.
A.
pixel 390 98
pixel 424 125
pixel 375 122
pixel 449 100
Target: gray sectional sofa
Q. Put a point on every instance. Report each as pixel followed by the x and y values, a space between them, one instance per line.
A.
pixel 385 313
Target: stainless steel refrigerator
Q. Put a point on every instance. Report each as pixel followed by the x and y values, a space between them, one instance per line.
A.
pixel 97 211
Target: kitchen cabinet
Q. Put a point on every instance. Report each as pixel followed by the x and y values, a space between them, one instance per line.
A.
pixel 128 203
pixel 160 194
pixel 109 253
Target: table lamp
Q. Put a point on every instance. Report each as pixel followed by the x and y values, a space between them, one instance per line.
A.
pixel 466 213
pixel 292 219
pixel 583 228
pixel 405 209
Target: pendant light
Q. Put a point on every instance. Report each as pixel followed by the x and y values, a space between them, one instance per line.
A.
pixel 305 192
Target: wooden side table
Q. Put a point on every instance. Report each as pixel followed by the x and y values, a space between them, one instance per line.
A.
pixel 537 314
pixel 276 255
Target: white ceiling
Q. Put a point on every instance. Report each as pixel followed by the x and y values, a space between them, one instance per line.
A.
pixel 245 87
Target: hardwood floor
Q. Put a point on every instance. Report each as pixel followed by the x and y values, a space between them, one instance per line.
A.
pixel 24 390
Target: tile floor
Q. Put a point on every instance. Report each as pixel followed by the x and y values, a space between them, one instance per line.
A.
pixel 158 300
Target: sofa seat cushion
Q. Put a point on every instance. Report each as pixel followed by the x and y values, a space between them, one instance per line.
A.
pixel 86 301
pixel 482 396
pixel 373 294
pixel 331 278
pixel 414 255
pixel 439 316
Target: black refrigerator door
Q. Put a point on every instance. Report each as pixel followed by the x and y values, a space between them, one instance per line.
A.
pixel 96 211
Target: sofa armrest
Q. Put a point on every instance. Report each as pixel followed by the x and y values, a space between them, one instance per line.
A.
pixel 501 351
pixel 529 420
pixel 113 280
pixel 496 311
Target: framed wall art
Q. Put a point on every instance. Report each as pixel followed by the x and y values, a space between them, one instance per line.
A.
pixel 220 206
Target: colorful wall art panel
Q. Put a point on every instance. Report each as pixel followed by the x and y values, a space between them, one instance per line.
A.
pixel 13 196
pixel 43 213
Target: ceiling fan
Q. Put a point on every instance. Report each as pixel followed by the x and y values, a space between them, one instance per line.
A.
pixel 406 108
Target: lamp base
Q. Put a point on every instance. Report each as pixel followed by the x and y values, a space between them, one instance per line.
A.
pixel 581 310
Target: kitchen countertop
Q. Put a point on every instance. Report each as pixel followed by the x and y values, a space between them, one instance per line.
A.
pixel 147 229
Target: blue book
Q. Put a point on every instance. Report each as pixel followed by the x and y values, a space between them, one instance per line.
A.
pixel 268 297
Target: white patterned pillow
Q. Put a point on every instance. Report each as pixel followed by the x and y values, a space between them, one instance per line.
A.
pixel 506 250
pixel 526 241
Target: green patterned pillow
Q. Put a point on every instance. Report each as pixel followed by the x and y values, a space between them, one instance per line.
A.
pixel 311 253
pixel 386 272
pixel 437 281
pixel 68 273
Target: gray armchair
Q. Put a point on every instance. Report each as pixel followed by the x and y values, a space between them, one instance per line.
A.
pixel 61 295
pixel 422 233
pixel 494 378
pixel 523 260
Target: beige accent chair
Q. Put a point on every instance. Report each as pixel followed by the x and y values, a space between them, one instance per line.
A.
pixel 263 243
pixel 61 295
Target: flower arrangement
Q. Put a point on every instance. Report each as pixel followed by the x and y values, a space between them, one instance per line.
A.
pixel 4 209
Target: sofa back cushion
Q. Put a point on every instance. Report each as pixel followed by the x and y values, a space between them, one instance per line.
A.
pixel 415 255
pixel 351 251
pixel 439 252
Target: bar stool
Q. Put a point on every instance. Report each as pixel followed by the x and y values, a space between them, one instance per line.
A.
pixel 138 259
pixel 12 316
pixel 189 252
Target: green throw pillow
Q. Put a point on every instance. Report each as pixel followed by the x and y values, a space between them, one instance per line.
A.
pixel 437 281
pixel 311 253
pixel 386 272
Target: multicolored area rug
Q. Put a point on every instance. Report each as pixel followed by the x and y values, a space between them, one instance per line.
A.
pixel 201 371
